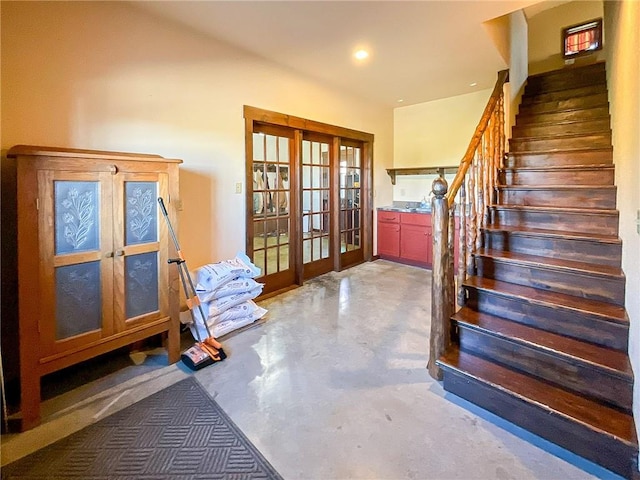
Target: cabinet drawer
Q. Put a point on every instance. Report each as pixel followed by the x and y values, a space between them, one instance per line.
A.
pixel 421 219
pixel 388 217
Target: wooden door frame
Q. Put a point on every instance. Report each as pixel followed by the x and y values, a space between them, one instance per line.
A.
pixel 254 116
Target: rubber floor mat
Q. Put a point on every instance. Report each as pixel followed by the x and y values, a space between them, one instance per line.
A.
pixel 177 433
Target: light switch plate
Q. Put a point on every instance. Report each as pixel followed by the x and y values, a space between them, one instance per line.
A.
pixel 239 187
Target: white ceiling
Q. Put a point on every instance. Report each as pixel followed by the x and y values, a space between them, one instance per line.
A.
pixel 419 50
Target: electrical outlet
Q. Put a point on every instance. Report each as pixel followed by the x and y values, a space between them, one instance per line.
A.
pixel 239 187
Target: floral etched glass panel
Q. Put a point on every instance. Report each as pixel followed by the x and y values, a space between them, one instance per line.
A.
pixel 141 284
pixel 78 299
pixel 76 216
pixel 141 214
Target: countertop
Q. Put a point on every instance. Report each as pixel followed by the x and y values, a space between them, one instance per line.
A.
pixel 405 209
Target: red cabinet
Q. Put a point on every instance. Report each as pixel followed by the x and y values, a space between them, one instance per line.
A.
pixel 415 239
pixel 388 234
pixel 407 238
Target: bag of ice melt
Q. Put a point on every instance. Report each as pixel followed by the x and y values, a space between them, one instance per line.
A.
pixel 242 310
pixel 212 276
pixel 219 327
pixel 235 286
pixel 219 305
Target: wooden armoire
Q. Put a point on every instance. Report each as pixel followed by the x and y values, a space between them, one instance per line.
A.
pixel 92 249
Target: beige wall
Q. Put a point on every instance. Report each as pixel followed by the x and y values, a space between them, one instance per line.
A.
pixel 545 34
pixel 434 133
pixel 622 24
pixel 106 75
pixel 518 63
pixel 510 36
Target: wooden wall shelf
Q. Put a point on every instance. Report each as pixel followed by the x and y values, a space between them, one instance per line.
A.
pixel 393 172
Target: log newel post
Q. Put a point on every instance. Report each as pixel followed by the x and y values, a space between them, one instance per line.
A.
pixel 462 245
pixel 440 335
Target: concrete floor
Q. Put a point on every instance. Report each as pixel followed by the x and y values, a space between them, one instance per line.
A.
pixel 333 385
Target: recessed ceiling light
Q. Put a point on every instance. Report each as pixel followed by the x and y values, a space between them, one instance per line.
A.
pixel 361 54
pixel 473 84
pixel 400 100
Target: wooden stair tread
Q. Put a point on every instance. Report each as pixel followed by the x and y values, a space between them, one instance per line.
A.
pixel 567 136
pixel 553 150
pixel 581 211
pixel 616 362
pixel 542 232
pixel 606 311
pixel 565 122
pixel 549 262
pixel 608 149
pixel 569 70
pixel 596 416
pixel 556 187
pixel 534 99
pixel 571 92
pixel 558 168
pixel 600 97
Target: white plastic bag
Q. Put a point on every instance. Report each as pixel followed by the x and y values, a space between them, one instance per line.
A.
pixel 212 276
pixel 235 286
pixel 219 327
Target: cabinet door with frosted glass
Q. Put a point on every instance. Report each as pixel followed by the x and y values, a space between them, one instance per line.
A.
pixel 76 265
pixel 140 244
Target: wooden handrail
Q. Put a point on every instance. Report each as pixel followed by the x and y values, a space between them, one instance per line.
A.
pixel 480 167
pixel 467 159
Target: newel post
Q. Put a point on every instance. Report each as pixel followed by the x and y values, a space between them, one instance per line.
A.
pixel 440 333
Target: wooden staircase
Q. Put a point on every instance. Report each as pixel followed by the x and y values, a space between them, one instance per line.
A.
pixel 542 339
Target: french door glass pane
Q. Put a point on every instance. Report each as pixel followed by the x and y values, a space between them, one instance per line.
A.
pixel 271 203
pixel 315 201
pixel 350 174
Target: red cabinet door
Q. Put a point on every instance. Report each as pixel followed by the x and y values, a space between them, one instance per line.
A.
pixel 415 243
pixel 389 239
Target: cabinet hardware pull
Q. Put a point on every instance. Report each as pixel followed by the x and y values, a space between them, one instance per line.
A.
pixel 113 169
pixel 109 255
pixel 120 252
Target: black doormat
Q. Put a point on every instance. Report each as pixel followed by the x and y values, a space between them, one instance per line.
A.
pixel 177 433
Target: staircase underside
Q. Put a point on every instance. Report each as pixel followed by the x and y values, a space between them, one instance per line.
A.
pixel 542 339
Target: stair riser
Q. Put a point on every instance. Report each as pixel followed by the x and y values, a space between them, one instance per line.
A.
pixel 569 222
pixel 572 375
pixel 601 288
pixel 587 157
pixel 574 436
pixel 578 325
pixel 552 83
pixel 603 198
pixel 594 176
pixel 576 103
pixel 540 130
pixel 564 248
pixel 553 116
pixel 564 94
pixel 600 140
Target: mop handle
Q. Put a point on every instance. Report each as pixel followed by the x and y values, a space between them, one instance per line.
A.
pixel 182 263
pixel 173 234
